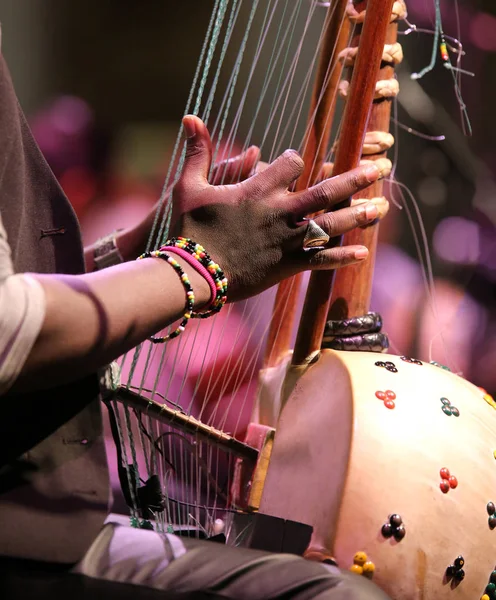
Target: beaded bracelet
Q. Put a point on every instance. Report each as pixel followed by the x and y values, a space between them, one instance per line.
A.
pixel 198 267
pixel 190 296
pixel 199 253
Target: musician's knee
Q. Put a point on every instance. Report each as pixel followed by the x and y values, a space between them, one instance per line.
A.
pixel 348 586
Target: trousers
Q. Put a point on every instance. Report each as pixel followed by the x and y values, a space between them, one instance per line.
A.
pixel 170 563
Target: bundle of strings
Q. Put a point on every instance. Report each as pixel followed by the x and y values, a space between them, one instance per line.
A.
pixel 189 401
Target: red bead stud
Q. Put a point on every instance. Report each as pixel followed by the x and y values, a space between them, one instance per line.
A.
pixel 444 485
pixel 445 474
pixel 453 482
pixel 448 481
pixel 387 397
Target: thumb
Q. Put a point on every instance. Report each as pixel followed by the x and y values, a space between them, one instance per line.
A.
pixel 198 152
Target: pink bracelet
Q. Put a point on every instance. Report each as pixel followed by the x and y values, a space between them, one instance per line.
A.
pixel 197 266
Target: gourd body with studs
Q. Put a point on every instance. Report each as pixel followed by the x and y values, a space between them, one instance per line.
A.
pixel 391 460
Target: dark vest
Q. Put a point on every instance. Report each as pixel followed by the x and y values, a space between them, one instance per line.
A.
pixel 53 473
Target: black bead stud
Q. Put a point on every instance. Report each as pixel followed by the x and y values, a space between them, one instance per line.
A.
pixel 400 533
pixel 394 527
pixel 395 520
pixel 387 530
pixel 455 571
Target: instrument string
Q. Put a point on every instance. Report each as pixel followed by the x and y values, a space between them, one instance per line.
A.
pixel 237 386
pixel 240 112
pixel 223 112
pixel 214 28
pixel 422 249
pixel 277 48
pixel 222 384
pixel 207 53
pixel 224 118
pixel 236 71
pixel 235 9
pixel 289 120
pixel 257 55
pixel 288 87
pixel 165 195
pixel 440 45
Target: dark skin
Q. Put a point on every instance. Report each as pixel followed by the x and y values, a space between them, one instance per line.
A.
pixel 253 230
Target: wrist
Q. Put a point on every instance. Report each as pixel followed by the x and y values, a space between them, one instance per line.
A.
pixel 197 257
pixel 198 283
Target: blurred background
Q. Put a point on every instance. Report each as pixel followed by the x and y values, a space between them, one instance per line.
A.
pixel 104 84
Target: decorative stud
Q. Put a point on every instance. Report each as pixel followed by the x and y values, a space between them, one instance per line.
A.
pixel 448 408
pixel 411 360
pixel 448 481
pixel 394 528
pixel 453 482
pixel 388 365
pixel 488 398
pixel 360 558
pixel 362 566
pixel 388 397
pixel 490 591
pixel 491 511
pixel 436 364
pixel 455 571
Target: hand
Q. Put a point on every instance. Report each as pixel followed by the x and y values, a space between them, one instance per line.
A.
pixel 253 229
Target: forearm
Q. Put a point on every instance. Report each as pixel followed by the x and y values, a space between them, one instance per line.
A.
pixel 92 319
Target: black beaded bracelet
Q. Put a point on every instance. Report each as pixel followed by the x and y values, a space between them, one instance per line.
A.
pixel 198 252
pixel 190 296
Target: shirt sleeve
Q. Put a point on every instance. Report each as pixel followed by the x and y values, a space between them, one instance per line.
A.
pixel 22 311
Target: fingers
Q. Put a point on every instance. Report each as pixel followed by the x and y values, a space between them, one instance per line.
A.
pixel 237 168
pixel 341 221
pixel 380 201
pixel 198 154
pixel 279 174
pixel 334 258
pixel 330 192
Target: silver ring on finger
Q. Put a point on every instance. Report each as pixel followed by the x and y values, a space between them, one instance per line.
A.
pixel 315 237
